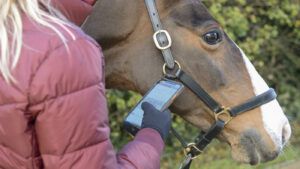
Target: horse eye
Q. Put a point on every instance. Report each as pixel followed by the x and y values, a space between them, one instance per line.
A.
pixel 212 37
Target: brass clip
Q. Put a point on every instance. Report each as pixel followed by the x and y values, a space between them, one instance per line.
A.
pixel 189 148
pixel 165 67
pixel 224 115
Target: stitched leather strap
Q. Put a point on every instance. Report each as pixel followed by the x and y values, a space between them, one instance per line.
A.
pixel 204 139
pixel 199 91
pixel 161 37
pixel 254 102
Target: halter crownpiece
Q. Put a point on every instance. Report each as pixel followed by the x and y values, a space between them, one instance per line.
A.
pixel 223 115
pixel 161 37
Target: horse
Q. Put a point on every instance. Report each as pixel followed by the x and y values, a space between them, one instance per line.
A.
pixel 124 31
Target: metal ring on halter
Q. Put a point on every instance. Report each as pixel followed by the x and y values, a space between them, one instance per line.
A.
pixel 224 115
pixel 171 75
pixel 189 148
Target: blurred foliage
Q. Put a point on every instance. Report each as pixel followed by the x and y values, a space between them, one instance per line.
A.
pixel 268 32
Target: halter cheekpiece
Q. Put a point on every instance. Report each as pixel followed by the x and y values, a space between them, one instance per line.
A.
pixel 223 115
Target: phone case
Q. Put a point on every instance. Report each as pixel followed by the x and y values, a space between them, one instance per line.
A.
pixel 132 129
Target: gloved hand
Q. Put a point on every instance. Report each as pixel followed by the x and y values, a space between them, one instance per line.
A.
pixel 157 120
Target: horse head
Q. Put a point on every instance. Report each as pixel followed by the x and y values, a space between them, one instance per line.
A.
pixel 205 52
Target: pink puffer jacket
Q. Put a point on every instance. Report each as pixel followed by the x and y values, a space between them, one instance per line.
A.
pixel 55 117
pixel 74 10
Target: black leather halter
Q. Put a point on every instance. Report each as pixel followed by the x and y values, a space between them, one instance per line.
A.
pixel 223 115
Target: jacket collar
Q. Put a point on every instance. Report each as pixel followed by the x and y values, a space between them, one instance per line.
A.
pixel 75 10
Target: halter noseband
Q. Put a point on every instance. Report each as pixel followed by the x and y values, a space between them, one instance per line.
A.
pixel 223 115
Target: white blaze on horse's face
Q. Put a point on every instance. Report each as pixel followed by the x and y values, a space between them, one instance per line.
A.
pixel 275 122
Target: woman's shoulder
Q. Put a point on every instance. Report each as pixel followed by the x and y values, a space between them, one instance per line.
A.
pixel 44 40
pixel 44 50
pixel 54 62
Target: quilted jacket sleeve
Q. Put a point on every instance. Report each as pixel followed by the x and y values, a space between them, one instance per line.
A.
pixel 67 96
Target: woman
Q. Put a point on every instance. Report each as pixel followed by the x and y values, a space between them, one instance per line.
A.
pixel 52 97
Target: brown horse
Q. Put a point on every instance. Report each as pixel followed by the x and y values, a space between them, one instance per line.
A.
pixel 123 29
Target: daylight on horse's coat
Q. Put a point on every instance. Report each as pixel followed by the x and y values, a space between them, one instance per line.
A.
pixel 58 57
pixel 220 68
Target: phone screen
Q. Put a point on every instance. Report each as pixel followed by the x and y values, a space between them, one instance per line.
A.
pixel 160 96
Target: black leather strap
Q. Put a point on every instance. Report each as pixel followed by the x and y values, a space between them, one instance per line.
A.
pixel 161 37
pixel 215 106
pixel 254 102
pixel 204 139
pixel 198 90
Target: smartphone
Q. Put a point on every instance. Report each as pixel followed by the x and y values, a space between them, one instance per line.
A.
pixel 161 96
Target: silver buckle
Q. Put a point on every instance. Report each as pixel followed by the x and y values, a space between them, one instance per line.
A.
pixel 156 40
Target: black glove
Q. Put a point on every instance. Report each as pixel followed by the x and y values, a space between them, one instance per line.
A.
pixel 157 120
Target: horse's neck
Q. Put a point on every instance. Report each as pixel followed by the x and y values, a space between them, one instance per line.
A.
pixel 117 74
pixel 112 21
pixel 110 24
pixel 114 24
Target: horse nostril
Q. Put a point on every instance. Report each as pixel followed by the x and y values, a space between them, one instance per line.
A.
pixel 286 133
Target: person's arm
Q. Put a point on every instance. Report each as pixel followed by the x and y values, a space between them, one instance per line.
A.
pixel 68 99
pixel 154 122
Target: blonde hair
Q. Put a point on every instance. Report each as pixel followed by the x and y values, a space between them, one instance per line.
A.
pixel 11 28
